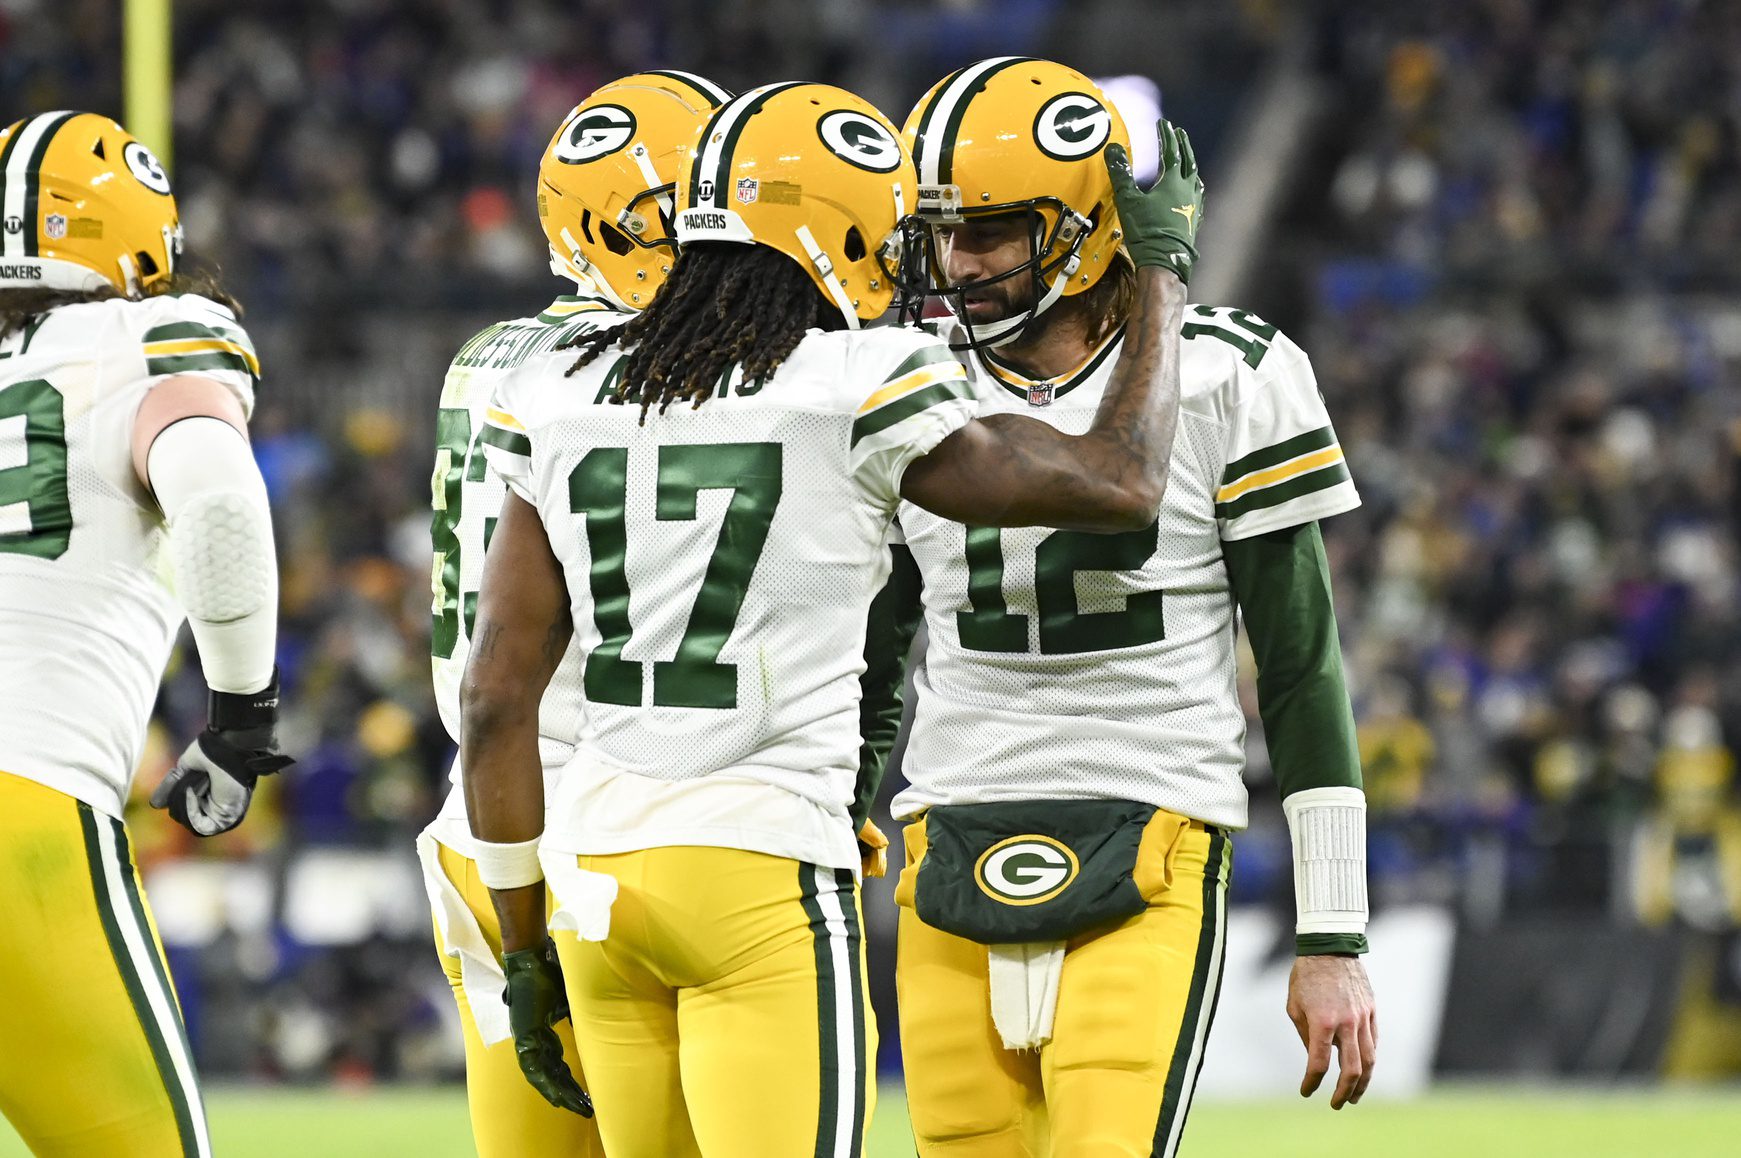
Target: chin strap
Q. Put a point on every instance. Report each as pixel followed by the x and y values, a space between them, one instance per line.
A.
pixel 991 335
pixel 577 269
pixel 825 268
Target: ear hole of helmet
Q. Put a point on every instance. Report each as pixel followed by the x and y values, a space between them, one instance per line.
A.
pixel 614 239
pixel 586 226
pixel 854 249
pixel 146 263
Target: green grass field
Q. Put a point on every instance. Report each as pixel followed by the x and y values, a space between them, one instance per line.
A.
pixel 1485 1123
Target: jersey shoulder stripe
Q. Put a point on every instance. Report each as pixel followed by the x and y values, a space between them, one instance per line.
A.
pixel 927 378
pixel 504 432
pixel 181 347
pixel 1287 470
pixel 1240 471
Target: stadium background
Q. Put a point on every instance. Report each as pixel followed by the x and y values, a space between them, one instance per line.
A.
pixel 1505 230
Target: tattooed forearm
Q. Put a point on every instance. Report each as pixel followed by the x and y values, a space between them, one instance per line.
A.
pixel 1113 477
pixel 484 646
pixel 556 642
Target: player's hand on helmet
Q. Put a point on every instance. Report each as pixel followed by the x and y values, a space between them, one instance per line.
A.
pixel 1160 226
pixel 873 850
pixel 1330 1003
pixel 209 789
pixel 536 1001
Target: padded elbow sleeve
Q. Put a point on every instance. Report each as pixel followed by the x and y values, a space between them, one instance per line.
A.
pixel 220 545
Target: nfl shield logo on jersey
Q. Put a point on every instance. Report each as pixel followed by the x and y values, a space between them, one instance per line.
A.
pixel 54 226
pixel 749 188
pixel 1040 393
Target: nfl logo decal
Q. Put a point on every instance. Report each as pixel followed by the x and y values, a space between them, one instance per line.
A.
pixel 748 190
pixel 1040 393
pixel 54 226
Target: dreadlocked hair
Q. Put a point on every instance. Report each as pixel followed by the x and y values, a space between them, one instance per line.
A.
pixel 724 305
pixel 19 307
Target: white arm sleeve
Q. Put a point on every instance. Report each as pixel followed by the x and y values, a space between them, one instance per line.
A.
pixel 220 543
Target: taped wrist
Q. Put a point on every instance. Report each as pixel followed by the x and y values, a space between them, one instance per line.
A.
pixel 1327 827
pixel 508 866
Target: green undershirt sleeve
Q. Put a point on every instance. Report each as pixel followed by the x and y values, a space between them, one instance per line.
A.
pixel 1282 583
pixel 888 637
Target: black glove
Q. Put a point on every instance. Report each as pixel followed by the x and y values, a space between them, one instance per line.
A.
pixel 536 1001
pixel 208 790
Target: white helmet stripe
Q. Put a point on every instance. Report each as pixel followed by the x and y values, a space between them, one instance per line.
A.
pixel 721 136
pixel 22 159
pixel 933 129
pixel 700 84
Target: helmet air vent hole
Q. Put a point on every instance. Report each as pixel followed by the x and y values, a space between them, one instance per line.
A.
pixel 98 150
pixel 586 226
pixel 614 239
pixel 854 249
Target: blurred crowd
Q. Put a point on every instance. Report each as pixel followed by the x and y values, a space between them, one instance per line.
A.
pixel 1522 310
pixel 1507 261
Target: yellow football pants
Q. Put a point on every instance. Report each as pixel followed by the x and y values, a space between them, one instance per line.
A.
pixel 93 1057
pixel 727 1014
pixel 1135 1002
pixel 510 1119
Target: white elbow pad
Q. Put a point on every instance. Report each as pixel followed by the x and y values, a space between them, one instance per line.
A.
pixel 1328 830
pixel 220 545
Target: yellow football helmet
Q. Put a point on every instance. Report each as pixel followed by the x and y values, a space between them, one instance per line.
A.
pixel 605 184
pixel 1015 134
pixel 83 205
pixel 812 171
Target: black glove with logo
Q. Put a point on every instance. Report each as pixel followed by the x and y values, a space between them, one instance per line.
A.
pixel 210 787
pixel 536 1001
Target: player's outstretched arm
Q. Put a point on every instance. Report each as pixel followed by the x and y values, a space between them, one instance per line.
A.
pixel 523 627
pixel 1006 470
pixel 190 449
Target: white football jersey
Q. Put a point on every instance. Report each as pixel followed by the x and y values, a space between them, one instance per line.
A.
pixel 721 563
pixel 1064 665
pixel 466 497
pixel 87 609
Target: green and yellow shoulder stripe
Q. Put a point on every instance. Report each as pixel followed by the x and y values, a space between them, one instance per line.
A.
pixel 927 378
pixel 506 433
pixel 190 347
pixel 1280 473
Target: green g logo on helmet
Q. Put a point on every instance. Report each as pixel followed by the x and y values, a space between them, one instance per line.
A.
pixel 1026 870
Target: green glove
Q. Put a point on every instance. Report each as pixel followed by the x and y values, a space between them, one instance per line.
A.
pixel 536 1001
pixel 1160 226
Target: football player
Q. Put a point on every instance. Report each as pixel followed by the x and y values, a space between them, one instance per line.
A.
pixel 702 506
pixel 1076 754
pixel 605 201
pixel 129 499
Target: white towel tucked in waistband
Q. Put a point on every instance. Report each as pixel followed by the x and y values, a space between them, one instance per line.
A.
pixel 583 899
pixel 462 938
pixel 1024 991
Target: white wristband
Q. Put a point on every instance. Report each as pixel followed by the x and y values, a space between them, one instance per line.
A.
pixel 508 866
pixel 1328 830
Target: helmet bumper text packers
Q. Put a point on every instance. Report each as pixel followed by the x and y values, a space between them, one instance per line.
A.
pixel 83 205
